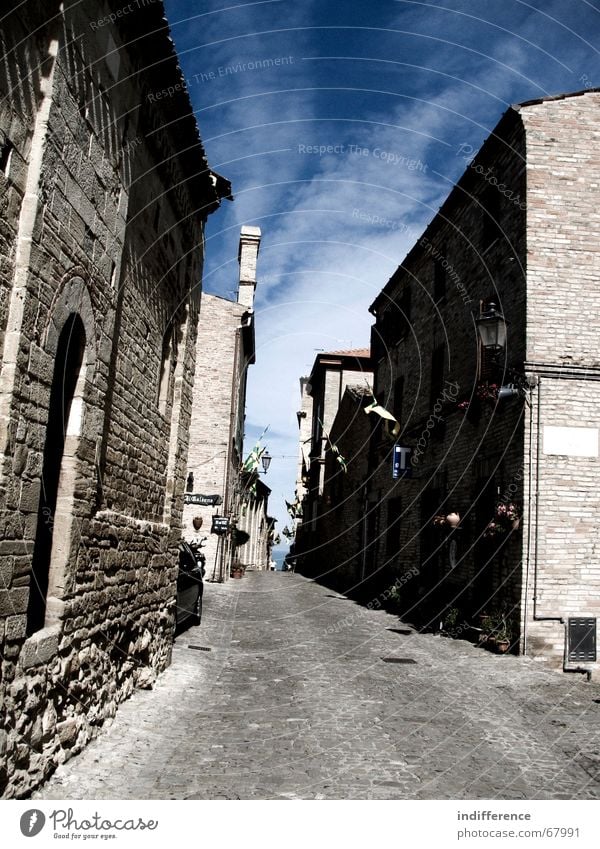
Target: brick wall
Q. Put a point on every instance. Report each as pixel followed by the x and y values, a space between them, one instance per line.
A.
pixel 563 326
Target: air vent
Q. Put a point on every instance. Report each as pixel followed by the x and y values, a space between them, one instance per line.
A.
pixel 582 639
pixel 398 660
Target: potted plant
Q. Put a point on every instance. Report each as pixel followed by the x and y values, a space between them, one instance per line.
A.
pixel 496 631
pixel 503 635
pixel 506 518
pixel 237 569
pixel 487 392
pixel 449 619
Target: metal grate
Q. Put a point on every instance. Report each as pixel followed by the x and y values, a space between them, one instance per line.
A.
pixel 582 639
pixel 398 660
pixel 200 648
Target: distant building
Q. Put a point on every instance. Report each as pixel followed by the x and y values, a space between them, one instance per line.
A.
pixel 342 524
pixel 105 195
pixel 486 345
pixel 253 520
pixel 224 351
pixel 304 415
pixel 332 372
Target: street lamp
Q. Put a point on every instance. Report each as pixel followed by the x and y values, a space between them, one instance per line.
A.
pixel 266 461
pixel 492 325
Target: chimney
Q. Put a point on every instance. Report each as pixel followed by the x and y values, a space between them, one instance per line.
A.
pixel 247 256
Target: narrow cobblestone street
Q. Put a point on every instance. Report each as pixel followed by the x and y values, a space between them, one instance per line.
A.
pixel 293 701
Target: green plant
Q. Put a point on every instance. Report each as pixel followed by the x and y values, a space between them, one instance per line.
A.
pixel 451 617
pixel 497 625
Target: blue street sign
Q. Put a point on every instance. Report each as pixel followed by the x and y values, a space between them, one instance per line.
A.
pixel 401 467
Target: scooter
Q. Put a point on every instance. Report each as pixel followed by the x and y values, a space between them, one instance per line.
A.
pixel 200 556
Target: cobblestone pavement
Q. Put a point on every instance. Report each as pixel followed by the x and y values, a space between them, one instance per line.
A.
pixel 294 701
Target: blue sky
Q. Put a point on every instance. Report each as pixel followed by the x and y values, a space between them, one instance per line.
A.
pixel 391 88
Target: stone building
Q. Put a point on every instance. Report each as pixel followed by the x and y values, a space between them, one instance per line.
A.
pixel 254 520
pixel 103 199
pixel 342 523
pixel 224 350
pixel 485 345
pixel 332 372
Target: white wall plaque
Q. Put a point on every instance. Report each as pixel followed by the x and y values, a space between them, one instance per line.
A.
pixel 571 441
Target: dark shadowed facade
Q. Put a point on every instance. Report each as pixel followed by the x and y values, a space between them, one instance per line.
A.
pixel 332 372
pixel 503 432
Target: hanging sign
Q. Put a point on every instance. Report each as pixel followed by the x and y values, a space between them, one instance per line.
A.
pixel 202 500
pixel 220 525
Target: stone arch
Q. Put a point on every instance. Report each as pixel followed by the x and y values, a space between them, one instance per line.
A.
pixel 72 297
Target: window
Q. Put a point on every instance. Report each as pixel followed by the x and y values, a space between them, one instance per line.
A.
pixel 392 540
pixel 439 276
pixel 404 310
pixel 491 225
pixel 317 428
pixel 398 398
pixel 166 363
pixel 6 149
pixel 437 375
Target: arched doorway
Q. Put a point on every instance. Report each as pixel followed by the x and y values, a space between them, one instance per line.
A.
pixel 52 542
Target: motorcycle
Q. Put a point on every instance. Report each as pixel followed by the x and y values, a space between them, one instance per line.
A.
pixel 196 546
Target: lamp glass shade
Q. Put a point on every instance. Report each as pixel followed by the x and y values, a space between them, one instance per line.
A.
pixel 266 461
pixel 492 328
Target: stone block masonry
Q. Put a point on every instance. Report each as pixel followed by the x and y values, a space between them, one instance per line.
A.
pixel 102 212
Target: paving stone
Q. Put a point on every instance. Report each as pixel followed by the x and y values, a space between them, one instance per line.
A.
pixel 283 708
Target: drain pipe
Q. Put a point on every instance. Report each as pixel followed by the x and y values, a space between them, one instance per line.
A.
pixel 537 617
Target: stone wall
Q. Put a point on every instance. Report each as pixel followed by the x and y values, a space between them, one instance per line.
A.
pixel 102 255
